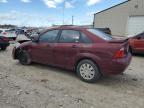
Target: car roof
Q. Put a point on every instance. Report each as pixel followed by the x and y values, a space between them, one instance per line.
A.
pixel 67 27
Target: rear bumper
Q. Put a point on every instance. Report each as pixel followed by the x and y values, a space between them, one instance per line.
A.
pixel 140 51
pixel 117 66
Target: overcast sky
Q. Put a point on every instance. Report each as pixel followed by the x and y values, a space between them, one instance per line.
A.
pixel 48 12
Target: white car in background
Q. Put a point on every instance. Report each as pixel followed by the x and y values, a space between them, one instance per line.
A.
pixel 9 33
pixel 21 36
pixel 24 35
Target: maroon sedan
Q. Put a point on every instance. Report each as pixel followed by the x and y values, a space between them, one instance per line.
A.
pixel 137 44
pixel 90 52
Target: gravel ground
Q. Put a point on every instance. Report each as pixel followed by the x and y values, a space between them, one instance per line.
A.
pixel 40 86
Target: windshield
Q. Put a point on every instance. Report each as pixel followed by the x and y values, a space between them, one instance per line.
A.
pixel 100 34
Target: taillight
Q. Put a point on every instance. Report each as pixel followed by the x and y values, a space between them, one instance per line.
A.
pixel 4 33
pixel 120 53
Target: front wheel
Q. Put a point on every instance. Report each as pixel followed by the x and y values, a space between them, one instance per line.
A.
pixel 24 58
pixel 88 71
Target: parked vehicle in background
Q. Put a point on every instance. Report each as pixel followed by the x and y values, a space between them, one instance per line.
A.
pixel 137 43
pixel 27 35
pixel 4 42
pixel 9 33
pixel 88 51
pixel 22 36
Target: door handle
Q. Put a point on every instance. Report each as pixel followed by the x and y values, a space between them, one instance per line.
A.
pixel 74 46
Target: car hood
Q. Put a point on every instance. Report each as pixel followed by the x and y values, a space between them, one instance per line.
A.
pixel 25 44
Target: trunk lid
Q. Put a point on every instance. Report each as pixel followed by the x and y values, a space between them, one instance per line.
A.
pixel 118 40
pixel 122 43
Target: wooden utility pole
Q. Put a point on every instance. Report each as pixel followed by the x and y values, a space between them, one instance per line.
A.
pixel 64 13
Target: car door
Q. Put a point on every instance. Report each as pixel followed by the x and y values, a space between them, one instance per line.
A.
pixel 139 43
pixel 42 51
pixel 67 48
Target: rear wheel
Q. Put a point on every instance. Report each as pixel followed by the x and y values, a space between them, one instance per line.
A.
pixel 88 71
pixel 24 58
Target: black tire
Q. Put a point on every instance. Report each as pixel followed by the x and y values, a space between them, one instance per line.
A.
pixel 131 50
pixel 95 75
pixel 24 58
pixel 3 48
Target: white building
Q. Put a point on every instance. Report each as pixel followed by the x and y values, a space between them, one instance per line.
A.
pixel 124 19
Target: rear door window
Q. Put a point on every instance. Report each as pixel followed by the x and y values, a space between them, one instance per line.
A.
pixel 85 39
pixel 69 36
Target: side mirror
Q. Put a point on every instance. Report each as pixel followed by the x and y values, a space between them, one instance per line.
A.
pixel 35 38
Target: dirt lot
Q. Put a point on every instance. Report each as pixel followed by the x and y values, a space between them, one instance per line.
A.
pixel 39 86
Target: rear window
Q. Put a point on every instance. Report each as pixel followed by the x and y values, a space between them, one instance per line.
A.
pixel 100 34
